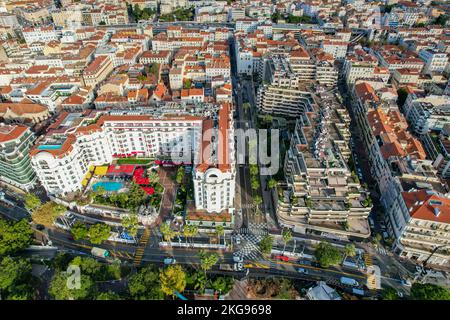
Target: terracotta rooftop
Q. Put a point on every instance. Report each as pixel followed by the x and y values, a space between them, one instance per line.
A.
pixel 426 205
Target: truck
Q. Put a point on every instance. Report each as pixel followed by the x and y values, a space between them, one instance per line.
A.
pixel 99 252
pixel 349 282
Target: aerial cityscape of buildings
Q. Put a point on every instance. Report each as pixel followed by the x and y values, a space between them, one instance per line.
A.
pixel 133 136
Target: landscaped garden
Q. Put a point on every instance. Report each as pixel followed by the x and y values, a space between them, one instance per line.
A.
pixel 124 186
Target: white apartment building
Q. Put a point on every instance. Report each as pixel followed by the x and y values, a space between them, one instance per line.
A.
pixel 40 34
pixel 62 160
pixel 244 58
pixel 338 49
pixel 214 177
pixel 434 61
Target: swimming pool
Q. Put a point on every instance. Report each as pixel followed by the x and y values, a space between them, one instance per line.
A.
pixel 49 147
pixel 108 185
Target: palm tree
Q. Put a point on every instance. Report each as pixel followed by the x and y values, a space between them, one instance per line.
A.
pixel 272 183
pixel 257 200
pixel 349 251
pixel 207 260
pixel 168 233
pixel 153 176
pixel 186 232
pixel 220 231
pixel 287 236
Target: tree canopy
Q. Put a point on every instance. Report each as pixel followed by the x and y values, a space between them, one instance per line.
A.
pixel 47 213
pixel 99 232
pixel 207 260
pixel 79 230
pixel 429 291
pixel 61 291
pixel 15 276
pixel 327 255
pixel 172 278
pixel 145 285
pixel 32 202
pixel 14 236
pixel 109 295
pixel 265 245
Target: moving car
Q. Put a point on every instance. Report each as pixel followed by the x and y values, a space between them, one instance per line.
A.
pixel 237 239
pixel 170 260
pixel 349 281
pixel 302 270
pixel 237 259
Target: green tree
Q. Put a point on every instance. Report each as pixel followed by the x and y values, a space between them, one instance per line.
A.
pixel 286 234
pixel 200 281
pixel 153 177
pixel 349 251
pixel 109 295
pixel 223 284
pixel 61 291
pixel 220 231
pixel 327 255
pixel 131 224
pixel 180 175
pixel 254 170
pixel 429 291
pixel 257 200
pixel 14 236
pixel 15 276
pixel 187 84
pixel 99 232
pixel 136 196
pixel 389 293
pixel 255 184
pixel 265 245
pixel 145 285
pixel 32 202
pixel 90 267
pixel 47 213
pixel 272 183
pixel 207 260
pixel 167 232
pixel 79 231
pixel 442 20
pixel 268 118
pixel 172 278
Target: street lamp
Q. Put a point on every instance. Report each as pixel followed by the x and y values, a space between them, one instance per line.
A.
pixel 424 273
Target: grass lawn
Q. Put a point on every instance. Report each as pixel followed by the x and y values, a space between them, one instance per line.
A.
pixel 134 161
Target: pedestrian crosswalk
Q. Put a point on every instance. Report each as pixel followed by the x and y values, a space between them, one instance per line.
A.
pixel 382 251
pixel 142 244
pixel 367 259
pixel 251 237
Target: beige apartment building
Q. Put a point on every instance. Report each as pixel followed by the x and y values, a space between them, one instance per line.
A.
pixel 97 71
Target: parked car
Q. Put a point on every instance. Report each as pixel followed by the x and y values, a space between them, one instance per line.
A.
pixel 302 270
pixel 282 258
pixel 40 227
pixel 305 262
pixel 238 259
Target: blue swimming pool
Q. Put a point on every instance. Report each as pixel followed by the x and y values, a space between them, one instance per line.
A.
pixel 49 147
pixel 108 185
